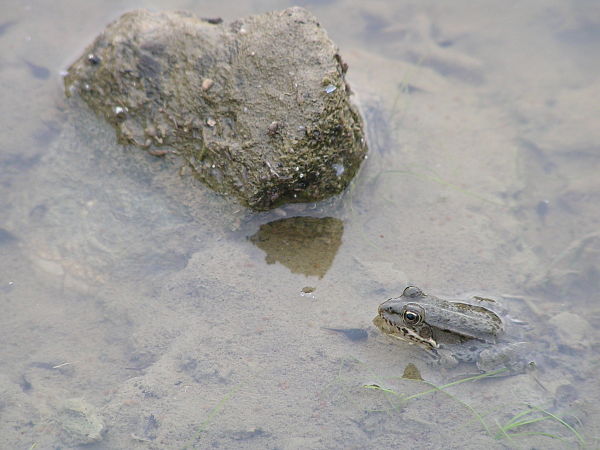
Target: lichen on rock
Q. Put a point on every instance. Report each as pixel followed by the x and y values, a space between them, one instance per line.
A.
pixel 258 107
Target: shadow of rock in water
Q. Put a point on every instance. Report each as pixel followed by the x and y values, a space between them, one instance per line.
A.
pixel 304 245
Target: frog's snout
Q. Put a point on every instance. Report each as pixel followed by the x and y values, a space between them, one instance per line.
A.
pixel 384 309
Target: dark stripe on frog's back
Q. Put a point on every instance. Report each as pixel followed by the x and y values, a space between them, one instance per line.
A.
pixel 458 317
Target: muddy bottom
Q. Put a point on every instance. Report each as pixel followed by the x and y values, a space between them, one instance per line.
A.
pixel 141 310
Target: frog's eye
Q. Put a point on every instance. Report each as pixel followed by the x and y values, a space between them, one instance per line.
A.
pixel 413 315
pixel 412 292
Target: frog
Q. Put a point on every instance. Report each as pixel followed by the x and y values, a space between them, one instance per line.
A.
pixel 454 331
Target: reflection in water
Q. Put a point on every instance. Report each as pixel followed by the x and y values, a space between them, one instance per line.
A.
pixel 303 244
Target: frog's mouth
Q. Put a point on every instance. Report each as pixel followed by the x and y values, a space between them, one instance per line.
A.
pixel 391 328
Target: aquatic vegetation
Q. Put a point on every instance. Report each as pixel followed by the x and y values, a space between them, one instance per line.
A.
pixel 406 397
pixel 519 425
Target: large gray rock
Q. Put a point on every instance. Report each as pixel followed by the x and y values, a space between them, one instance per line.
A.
pixel 258 107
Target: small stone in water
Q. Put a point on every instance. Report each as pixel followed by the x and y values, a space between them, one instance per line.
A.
pixel 207 84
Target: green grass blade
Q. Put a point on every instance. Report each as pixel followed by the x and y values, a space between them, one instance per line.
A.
pixel 563 423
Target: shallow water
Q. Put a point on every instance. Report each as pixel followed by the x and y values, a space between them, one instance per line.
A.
pixel 180 320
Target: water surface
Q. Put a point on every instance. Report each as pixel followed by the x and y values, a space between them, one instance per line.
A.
pixel 182 320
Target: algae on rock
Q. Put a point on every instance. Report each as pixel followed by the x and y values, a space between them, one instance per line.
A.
pixel 258 107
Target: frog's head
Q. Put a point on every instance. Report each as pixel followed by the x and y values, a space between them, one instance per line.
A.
pixel 404 318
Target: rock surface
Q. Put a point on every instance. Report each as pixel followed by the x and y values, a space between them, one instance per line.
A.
pixel 258 107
